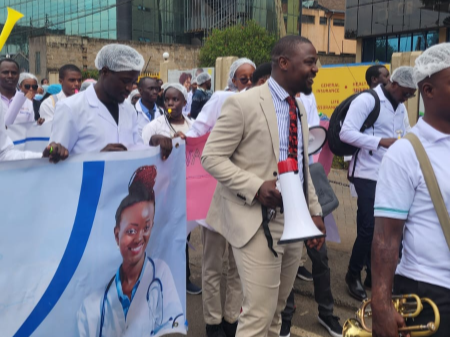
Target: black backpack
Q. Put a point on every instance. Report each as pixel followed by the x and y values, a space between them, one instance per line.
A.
pixel 338 147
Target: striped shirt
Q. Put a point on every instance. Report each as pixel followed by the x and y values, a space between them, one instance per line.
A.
pixel 279 96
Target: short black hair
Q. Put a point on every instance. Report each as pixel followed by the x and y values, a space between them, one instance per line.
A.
pixel 68 67
pixel 143 79
pixel 42 81
pixel 286 45
pixel 373 71
pixel 263 70
pixel 7 59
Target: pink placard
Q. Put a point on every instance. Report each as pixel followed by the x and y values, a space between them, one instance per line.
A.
pixel 325 156
pixel 200 185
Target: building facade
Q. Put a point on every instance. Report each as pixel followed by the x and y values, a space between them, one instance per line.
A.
pixel 322 22
pixel 155 21
pixel 382 28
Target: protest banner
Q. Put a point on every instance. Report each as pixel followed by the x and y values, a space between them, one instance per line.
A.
pixel 72 232
pixel 200 185
pixel 30 136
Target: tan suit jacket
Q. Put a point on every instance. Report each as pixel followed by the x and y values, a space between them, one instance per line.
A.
pixel 242 152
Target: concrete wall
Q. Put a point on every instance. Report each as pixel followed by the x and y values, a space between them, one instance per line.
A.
pixel 57 50
pixel 318 34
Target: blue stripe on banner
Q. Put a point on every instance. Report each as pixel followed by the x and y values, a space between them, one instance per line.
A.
pixel 91 187
pixel 32 139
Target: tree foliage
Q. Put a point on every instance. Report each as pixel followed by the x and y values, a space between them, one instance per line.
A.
pixel 92 73
pixel 251 41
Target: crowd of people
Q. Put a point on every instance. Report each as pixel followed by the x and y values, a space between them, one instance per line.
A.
pixel 261 118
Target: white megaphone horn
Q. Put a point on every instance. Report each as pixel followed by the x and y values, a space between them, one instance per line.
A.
pixel 317 139
pixel 298 225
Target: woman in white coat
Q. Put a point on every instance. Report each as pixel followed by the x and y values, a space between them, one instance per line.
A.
pixel 134 302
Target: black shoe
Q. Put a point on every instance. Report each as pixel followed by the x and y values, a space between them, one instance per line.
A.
pixel 355 287
pixel 331 323
pixel 215 331
pixel 368 282
pixel 192 289
pixel 229 328
pixel 304 274
pixel 285 328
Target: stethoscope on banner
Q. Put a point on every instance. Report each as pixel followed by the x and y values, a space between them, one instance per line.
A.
pixel 155 291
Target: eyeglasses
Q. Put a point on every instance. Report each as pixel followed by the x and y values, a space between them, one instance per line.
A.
pixel 245 80
pixel 28 86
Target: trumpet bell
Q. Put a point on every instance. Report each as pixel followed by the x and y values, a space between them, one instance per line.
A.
pixel 13 17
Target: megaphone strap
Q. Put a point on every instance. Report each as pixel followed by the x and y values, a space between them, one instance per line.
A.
pixel 265 226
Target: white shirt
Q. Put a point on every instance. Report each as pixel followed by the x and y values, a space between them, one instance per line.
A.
pixel 207 118
pixel 19 110
pixel 312 115
pixel 48 106
pixel 187 107
pixel 402 194
pixel 83 124
pixel 142 117
pixel 7 151
pixel 161 126
pixel 386 126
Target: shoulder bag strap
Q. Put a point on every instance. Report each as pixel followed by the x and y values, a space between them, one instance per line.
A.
pixel 432 185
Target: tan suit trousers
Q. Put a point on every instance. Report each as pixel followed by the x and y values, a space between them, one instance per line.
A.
pixel 214 250
pixel 266 280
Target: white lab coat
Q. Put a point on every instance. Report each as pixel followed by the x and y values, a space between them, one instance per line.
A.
pixel 207 118
pixel 142 117
pixel 145 317
pixel 7 151
pixel 83 124
pixel 20 110
pixel 187 107
pixel 48 106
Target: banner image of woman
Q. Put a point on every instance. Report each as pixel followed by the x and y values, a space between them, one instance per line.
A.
pixel 134 303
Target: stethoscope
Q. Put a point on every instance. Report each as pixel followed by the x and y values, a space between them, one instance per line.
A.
pixel 155 291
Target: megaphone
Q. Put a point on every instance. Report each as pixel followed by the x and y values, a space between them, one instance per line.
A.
pixel 317 139
pixel 298 225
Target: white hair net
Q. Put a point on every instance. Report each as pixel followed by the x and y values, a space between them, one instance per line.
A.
pixel 432 61
pixel 26 76
pixel 231 86
pixel 202 78
pixel 119 57
pixel 133 93
pixel 177 86
pixel 404 77
pixel 86 84
pixel 236 64
pixel 194 80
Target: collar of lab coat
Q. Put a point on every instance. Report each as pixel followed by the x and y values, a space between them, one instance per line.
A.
pixel 94 102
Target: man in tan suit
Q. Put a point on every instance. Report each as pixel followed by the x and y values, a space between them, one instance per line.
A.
pixel 253 133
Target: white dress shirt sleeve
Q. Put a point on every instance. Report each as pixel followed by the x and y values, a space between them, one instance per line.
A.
pixel 207 117
pixel 397 181
pixel 357 113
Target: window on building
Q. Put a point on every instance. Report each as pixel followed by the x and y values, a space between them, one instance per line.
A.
pixel 308 19
pixel 323 20
pixel 38 63
pixel 339 22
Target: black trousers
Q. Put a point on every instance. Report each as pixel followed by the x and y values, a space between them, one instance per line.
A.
pixel 365 222
pixel 322 285
pixel 439 295
pixel 188 269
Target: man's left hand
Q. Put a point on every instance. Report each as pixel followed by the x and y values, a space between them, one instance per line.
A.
pixel 317 242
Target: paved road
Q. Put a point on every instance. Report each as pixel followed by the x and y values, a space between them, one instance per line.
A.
pixel 305 319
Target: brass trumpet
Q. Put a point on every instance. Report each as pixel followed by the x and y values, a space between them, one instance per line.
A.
pixel 408 306
pixel 13 17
